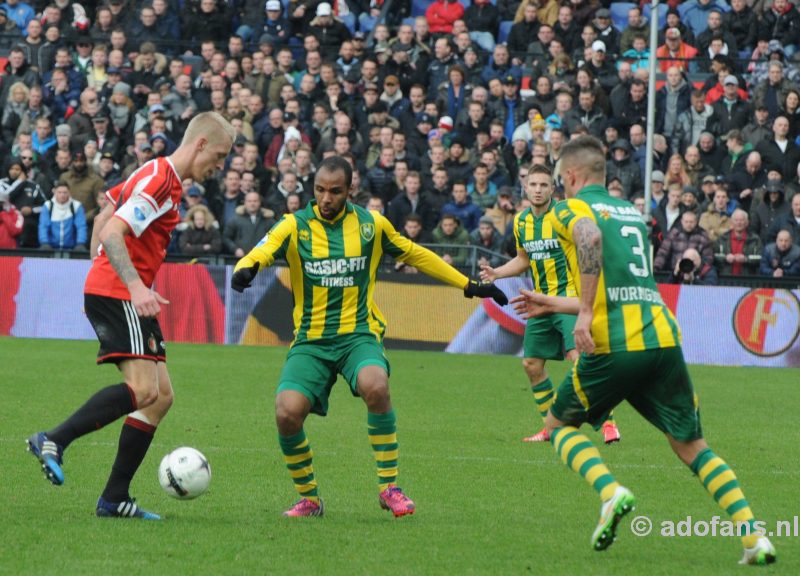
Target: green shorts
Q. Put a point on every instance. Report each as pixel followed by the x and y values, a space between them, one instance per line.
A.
pixel 655 382
pixel 549 337
pixel 311 368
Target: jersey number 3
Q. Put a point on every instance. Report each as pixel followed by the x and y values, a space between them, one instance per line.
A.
pixel 638 250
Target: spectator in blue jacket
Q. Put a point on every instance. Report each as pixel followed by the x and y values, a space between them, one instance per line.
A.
pixel 695 13
pixel 60 96
pixel 276 26
pixel 62 223
pixel 43 137
pixel 20 13
pixel 781 258
pixel 462 207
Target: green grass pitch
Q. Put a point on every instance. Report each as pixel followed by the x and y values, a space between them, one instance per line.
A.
pixel 486 502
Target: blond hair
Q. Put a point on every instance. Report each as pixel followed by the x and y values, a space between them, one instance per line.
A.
pixel 210 219
pixel 209 125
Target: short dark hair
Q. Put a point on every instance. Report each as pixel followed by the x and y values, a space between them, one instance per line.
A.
pixel 540 169
pixel 589 150
pixel 338 164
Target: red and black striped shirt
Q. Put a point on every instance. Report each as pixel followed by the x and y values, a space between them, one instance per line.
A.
pixel 148 202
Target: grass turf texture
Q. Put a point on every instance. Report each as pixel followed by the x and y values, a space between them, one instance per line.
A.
pixel 486 502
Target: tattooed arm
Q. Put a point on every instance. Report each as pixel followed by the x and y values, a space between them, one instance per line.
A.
pixel 145 301
pixel 588 242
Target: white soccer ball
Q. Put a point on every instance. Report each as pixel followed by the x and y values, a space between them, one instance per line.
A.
pixel 184 473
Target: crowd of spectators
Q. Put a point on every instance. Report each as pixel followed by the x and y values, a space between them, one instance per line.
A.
pixel 441 114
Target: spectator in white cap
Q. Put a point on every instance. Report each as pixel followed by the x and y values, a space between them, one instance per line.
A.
pixel 601 67
pixel 274 26
pixel 732 112
pixel 329 30
pixel 676 52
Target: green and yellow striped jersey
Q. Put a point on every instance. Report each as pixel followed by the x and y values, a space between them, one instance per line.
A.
pixel 535 236
pixel 333 267
pixel 629 313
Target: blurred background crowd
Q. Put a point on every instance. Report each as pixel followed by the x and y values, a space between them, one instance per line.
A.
pixel 441 107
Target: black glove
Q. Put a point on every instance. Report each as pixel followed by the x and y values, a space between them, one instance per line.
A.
pixel 243 277
pixel 489 290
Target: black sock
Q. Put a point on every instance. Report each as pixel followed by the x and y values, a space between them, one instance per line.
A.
pixel 134 440
pixel 103 408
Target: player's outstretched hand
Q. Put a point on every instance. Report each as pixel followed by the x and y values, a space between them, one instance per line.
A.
pixel 243 277
pixel 475 288
pixel 531 304
pixel 487 273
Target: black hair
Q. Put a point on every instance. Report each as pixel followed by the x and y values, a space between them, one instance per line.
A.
pixel 338 164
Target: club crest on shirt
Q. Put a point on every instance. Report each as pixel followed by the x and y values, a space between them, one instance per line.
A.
pixel 303 235
pixel 151 343
pixel 367 231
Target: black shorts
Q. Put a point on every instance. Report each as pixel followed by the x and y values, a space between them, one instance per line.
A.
pixel 122 333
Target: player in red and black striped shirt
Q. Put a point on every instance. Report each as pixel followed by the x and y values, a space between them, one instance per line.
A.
pixel 130 240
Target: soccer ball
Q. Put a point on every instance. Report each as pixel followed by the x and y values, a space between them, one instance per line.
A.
pixel 184 473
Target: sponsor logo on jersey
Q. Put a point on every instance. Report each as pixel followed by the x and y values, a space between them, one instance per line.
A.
pixel 367 231
pixel 542 249
pixel 263 240
pixel 139 214
pixel 766 321
pixel 627 213
pixel 336 266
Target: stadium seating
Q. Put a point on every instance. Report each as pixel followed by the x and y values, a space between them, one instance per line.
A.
pixel 619 14
pixel 683 7
pixel 418 7
pixel 502 33
pixel 662 14
pixel 194 62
